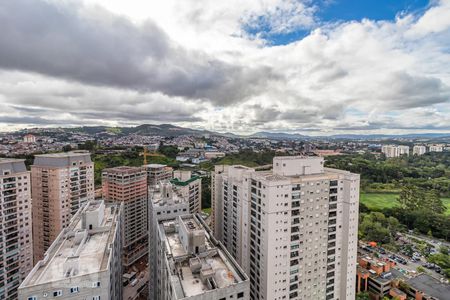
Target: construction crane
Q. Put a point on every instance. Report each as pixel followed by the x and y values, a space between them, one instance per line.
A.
pixel 146 153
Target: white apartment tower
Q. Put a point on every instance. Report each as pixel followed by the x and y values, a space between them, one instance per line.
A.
pixel 293 229
pixel 16 245
pixel 165 203
pixel 395 151
pixel 84 261
pixel 192 264
pixel 191 187
pixel 419 150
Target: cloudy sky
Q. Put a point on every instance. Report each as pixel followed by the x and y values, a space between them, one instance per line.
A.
pixel 313 67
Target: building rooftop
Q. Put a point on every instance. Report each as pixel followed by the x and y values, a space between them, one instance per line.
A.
pixel 430 286
pixel 197 262
pixel 62 159
pixel 12 165
pixel 163 193
pixel 123 169
pixel 80 249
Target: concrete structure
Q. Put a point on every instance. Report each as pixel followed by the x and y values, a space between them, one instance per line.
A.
pixel 16 245
pixel 190 187
pixel 165 204
pixel 395 151
pixel 419 150
pixel 29 138
pixel 389 151
pixel 157 173
pixel 403 150
pixel 192 264
pixel 60 184
pixel 84 262
pixel 292 229
pixel 436 148
pixel 128 185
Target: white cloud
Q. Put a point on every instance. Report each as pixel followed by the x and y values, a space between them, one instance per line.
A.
pixel 365 75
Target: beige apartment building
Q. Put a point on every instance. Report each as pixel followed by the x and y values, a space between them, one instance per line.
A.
pixel 128 185
pixel 157 173
pixel 60 184
pixel 293 229
pixel 191 187
pixel 16 245
pixel 192 264
pixel 84 261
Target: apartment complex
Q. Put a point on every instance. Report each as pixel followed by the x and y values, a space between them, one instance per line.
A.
pixel 128 185
pixel 395 151
pixel 191 188
pixel 60 184
pixel 165 204
pixel 84 260
pixel 436 148
pixel 419 150
pixel 16 245
pixel 293 229
pixel 157 173
pixel 192 264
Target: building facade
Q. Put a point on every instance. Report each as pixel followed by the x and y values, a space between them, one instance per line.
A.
pixel 191 187
pixel 391 151
pixel 192 264
pixel 165 203
pixel 157 173
pixel 84 261
pixel 60 184
pixel 128 185
pixel 293 229
pixel 419 150
pixel 16 245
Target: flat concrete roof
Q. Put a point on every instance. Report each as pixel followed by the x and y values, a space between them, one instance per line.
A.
pixel 214 259
pixel 89 256
pixel 430 286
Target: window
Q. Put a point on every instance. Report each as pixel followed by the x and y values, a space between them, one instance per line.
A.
pixel 32 298
pixel 96 298
pixel 96 284
pixel 74 290
pixel 57 293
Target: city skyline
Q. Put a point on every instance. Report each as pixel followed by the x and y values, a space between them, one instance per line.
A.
pixel 312 67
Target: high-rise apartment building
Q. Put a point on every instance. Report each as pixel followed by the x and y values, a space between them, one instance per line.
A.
pixel 191 187
pixel 293 229
pixel 419 150
pixel 84 261
pixel 157 173
pixel 436 148
pixel 60 184
pixel 16 245
pixel 165 203
pixel 128 185
pixel 192 264
pixel 403 150
pixel 395 151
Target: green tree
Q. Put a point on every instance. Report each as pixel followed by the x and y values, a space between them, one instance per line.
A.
pixel 362 296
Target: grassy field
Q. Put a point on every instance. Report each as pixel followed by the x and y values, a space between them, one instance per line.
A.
pixel 382 200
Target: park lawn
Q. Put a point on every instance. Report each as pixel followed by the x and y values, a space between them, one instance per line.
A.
pixel 378 201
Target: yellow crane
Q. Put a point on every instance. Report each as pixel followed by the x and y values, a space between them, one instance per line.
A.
pixel 146 153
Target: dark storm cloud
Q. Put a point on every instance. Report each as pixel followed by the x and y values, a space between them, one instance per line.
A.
pixel 97 48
